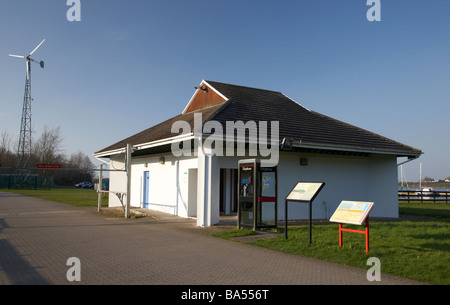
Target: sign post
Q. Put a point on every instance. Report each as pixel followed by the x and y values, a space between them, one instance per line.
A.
pixel 353 212
pixel 304 192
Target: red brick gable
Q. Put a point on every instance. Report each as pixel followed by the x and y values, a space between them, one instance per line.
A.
pixel 204 97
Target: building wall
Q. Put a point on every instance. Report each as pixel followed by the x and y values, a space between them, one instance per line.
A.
pixel 371 178
pixel 354 178
pixel 168 183
pixel 117 180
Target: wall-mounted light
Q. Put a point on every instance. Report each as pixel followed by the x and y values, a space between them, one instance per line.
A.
pixel 304 161
pixel 162 160
pixel 204 88
pixel 286 144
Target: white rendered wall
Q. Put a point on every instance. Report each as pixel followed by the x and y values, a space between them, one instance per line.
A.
pixel 117 181
pixel 168 183
pixel 346 178
pixel 371 178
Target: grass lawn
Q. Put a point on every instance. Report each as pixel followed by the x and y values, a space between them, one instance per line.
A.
pixel 77 197
pixel 418 249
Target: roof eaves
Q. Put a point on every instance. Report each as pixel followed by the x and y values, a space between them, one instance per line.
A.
pixel 399 153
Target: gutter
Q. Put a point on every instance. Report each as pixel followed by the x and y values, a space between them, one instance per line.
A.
pixel 301 144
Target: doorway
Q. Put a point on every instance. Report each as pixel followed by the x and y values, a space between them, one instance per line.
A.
pixel 192 192
pixel 228 193
pixel 146 184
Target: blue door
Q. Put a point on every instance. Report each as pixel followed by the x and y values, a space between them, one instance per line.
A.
pixel 146 188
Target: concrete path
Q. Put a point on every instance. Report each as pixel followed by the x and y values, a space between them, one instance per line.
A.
pixel 37 237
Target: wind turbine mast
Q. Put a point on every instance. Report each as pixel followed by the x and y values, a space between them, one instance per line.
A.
pixel 24 148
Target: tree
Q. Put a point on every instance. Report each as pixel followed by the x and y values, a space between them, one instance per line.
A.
pixel 8 158
pixel 47 149
pixel 428 179
pixel 80 168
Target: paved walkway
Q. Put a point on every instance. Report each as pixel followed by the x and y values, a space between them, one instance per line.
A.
pixel 37 237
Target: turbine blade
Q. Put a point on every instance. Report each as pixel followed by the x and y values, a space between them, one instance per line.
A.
pixel 19 56
pixel 36 48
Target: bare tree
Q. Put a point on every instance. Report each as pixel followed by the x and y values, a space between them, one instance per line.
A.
pixel 5 142
pixel 47 149
pixel 7 157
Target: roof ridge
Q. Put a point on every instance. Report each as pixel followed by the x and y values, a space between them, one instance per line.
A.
pixel 246 87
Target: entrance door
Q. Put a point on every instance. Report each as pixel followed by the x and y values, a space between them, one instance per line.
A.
pixel 146 188
pixel 192 192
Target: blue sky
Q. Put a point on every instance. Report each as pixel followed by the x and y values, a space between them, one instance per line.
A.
pixel 128 65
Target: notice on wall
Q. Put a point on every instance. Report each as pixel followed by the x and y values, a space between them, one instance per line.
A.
pixel 352 212
pixel 305 191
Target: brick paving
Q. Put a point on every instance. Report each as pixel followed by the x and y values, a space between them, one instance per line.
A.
pixel 38 236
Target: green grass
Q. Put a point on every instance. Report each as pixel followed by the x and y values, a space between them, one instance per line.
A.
pixel 77 197
pixel 427 209
pixel 418 250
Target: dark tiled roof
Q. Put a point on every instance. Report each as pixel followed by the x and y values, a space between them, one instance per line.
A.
pixel 295 121
pixel 160 131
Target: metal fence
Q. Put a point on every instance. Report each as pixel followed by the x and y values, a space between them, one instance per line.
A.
pixel 33 182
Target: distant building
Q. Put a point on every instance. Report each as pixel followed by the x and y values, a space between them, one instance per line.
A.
pixel 354 163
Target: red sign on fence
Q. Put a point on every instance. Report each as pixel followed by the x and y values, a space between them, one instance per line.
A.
pixel 48 165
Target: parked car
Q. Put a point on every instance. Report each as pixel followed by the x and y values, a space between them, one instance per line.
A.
pixel 84 185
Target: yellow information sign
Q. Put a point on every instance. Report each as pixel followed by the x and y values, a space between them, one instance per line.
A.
pixel 352 212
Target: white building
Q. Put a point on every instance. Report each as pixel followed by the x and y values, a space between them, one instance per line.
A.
pixel 354 163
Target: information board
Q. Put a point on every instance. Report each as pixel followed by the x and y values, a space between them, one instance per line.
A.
pixel 305 191
pixel 352 212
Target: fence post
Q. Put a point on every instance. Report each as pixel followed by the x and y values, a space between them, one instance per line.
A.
pixel 99 190
pixel 128 167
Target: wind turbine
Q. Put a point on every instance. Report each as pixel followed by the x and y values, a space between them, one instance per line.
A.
pixel 24 149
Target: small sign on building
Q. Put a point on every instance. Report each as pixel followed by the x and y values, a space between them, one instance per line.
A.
pixel 48 166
